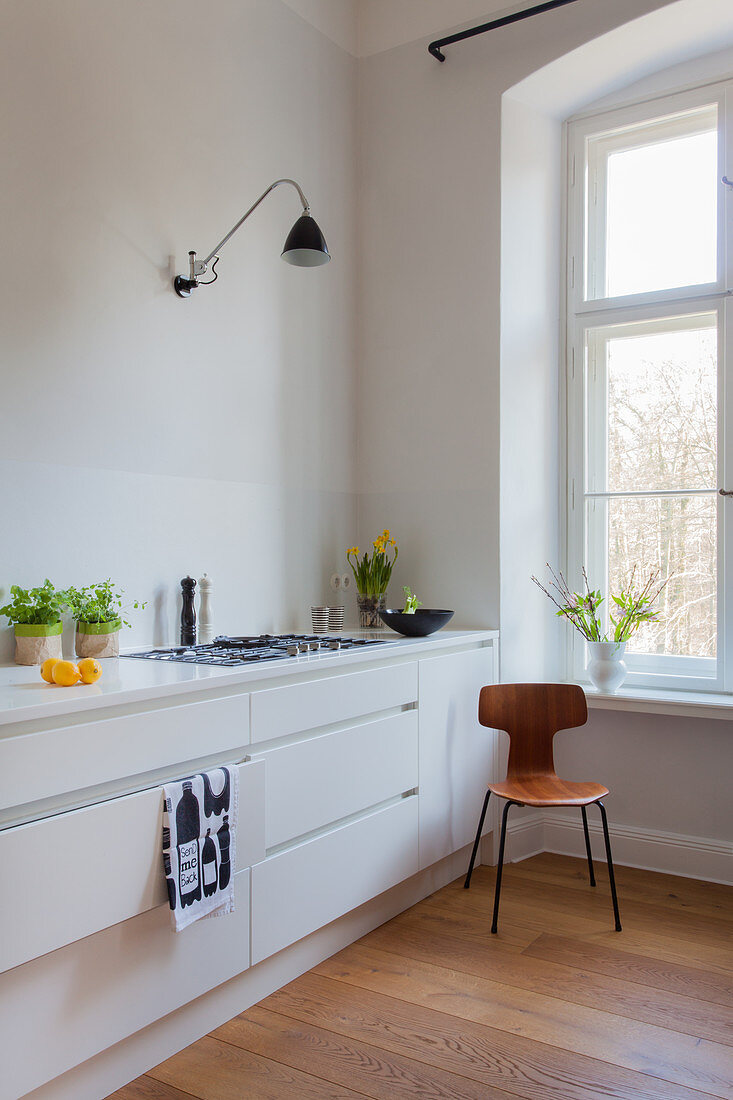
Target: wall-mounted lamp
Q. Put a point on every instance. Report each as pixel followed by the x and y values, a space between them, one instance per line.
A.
pixel 305 245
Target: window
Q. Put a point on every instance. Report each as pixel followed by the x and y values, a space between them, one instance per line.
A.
pixel 650 336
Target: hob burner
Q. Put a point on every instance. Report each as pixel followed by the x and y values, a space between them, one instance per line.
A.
pixel 232 652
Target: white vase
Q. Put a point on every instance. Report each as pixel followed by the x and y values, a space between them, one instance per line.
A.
pixel 606 669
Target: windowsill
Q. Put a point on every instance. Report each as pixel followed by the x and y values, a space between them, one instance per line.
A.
pixel 689 704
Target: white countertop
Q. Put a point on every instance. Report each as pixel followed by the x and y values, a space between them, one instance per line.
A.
pixel 24 696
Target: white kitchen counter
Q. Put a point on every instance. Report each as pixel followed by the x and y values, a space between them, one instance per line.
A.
pixel 24 696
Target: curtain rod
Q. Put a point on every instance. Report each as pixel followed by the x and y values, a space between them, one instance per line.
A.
pixel 435 48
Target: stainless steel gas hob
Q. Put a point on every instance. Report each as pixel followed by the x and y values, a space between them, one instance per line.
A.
pixel 267 647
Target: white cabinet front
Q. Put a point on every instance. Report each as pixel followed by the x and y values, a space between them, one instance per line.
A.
pixel 307 886
pixel 456 753
pixel 278 712
pixel 90 754
pixel 333 775
pixel 59 1010
pixel 79 872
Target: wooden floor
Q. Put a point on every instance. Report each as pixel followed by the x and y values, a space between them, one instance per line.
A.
pixel 557 1006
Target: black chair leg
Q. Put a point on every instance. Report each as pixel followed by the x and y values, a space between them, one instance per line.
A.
pixel 477 841
pixel 500 864
pixel 587 846
pixel 604 820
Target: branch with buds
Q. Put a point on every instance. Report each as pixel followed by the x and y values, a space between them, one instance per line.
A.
pixel 633 605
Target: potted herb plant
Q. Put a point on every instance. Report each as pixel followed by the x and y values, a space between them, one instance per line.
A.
pixel 36 617
pixel 632 606
pixel 372 574
pixel 99 614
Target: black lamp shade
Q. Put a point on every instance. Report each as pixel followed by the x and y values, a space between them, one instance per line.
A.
pixel 306 246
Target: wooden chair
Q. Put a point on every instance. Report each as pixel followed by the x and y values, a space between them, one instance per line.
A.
pixel 532 714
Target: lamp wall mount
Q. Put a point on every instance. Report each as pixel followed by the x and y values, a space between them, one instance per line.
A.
pixel 305 245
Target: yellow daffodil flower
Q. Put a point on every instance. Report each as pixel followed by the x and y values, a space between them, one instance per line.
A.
pixel 373 572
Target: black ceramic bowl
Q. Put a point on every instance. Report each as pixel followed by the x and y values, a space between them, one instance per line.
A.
pixel 426 620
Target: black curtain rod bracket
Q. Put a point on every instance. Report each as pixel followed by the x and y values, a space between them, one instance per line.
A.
pixel 435 48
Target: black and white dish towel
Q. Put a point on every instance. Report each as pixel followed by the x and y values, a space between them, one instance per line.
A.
pixel 199 844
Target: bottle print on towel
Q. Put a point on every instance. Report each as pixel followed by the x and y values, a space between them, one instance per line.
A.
pixel 208 865
pixel 188 826
pixel 216 803
pixel 225 868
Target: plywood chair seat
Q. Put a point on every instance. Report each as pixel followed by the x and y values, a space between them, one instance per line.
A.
pixel 548 790
pixel 532 714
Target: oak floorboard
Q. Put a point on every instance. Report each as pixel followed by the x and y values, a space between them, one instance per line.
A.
pixel 674 892
pixel 686 1060
pixel 596 905
pixel 552 979
pixel 442 920
pixel 521 1067
pixel 212 1070
pixel 704 986
pixel 543 909
pixel 369 1069
pixel 145 1088
pixel 535 921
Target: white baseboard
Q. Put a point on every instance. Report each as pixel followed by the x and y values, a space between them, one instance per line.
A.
pixel 524 838
pixel 113 1068
pixel 649 849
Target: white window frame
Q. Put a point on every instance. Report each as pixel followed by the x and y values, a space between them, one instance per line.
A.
pixel 690 674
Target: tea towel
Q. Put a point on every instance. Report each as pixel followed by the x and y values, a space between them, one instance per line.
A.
pixel 200 816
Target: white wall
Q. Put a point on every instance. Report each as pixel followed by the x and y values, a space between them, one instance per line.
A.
pixel 459 435
pixel 529 389
pixel 145 436
pixel 430 227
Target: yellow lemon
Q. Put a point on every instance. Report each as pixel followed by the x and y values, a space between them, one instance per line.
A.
pixel 89 670
pixel 47 669
pixel 66 674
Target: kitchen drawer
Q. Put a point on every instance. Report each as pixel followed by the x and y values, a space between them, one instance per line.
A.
pixel 59 1010
pixel 330 776
pixel 35 766
pixel 311 884
pixel 278 712
pixel 79 872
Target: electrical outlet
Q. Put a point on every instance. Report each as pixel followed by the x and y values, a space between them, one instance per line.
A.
pixel 345 581
pixel 336 582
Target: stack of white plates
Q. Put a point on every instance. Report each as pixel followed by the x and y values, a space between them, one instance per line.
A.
pixel 320 617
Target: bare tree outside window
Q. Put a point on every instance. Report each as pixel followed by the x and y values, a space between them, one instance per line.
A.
pixel 662 435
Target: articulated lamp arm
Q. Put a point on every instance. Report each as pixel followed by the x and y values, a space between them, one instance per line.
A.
pixel 197 268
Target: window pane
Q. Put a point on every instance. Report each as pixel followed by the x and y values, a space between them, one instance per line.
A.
pixel 658 384
pixel 653 196
pixel 676 535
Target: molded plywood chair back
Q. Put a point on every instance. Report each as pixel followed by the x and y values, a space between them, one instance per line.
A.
pixel 532 714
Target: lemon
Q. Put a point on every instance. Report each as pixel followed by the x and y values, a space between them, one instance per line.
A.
pixel 89 670
pixel 47 669
pixel 65 674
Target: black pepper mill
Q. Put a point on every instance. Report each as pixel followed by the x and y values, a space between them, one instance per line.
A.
pixel 188 612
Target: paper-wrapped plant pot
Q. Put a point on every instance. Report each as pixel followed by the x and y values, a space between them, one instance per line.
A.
pixel 98 639
pixel 35 643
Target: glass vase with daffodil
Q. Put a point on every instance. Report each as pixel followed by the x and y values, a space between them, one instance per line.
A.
pixel 372 573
